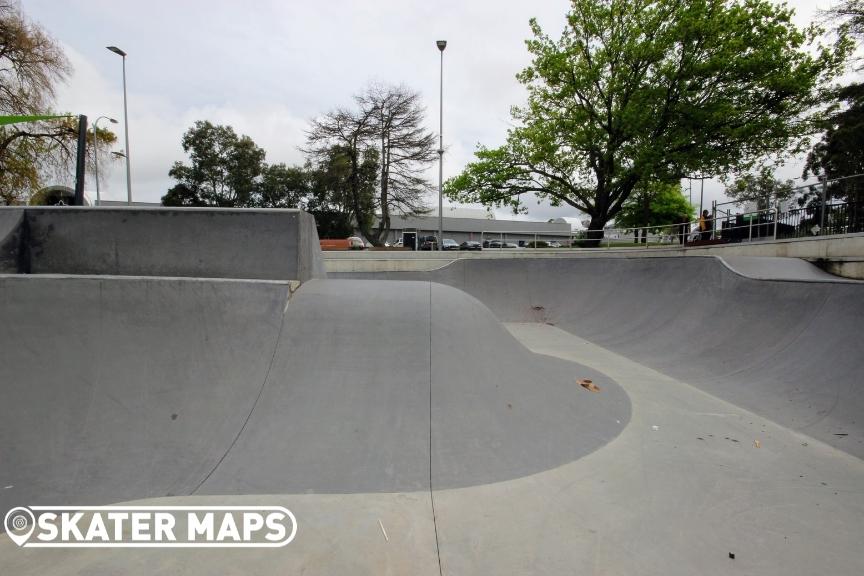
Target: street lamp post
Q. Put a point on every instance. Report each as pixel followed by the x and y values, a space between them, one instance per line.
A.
pixel 122 54
pixel 96 153
pixel 442 44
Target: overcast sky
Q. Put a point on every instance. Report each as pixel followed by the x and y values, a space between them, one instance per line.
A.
pixel 267 67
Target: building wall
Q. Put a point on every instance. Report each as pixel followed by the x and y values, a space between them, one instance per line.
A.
pixel 462 229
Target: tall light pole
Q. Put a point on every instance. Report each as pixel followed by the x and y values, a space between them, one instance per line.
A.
pixel 122 54
pixel 96 153
pixel 442 44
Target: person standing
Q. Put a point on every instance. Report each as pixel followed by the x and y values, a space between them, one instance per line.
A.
pixel 706 225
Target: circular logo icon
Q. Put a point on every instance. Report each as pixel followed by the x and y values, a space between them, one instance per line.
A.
pixel 19 524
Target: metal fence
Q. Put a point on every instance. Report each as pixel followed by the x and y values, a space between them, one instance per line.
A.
pixel 838 218
pixel 843 213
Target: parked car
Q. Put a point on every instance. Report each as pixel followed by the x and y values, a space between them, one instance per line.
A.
pixel 470 245
pixel 428 243
pixel 553 244
pixel 356 243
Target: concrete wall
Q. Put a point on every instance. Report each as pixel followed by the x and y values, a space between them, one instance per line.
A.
pixel 825 247
pixel 840 255
pixel 184 242
pixel 10 239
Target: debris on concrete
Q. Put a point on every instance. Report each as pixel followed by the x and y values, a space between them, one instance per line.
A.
pixel 655 428
pixel 381 524
pixel 757 443
pixel 732 555
pixel 588 385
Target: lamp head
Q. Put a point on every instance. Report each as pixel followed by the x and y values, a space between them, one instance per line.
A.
pixel 117 50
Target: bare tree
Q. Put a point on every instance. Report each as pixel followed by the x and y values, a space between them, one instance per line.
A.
pixel 405 150
pixel 384 130
pixel 346 132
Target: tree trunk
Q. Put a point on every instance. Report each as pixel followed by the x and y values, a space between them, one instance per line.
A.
pixel 595 231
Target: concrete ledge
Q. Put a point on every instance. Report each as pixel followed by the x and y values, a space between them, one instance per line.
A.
pixel 169 242
pixel 839 255
pixel 850 245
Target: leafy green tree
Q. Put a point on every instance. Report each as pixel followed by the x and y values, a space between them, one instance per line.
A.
pixel 656 204
pixel 331 196
pixel 31 66
pixel 640 90
pixel 224 168
pixel 760 187
pixel 330 177
pixel 281 186
pixel 347 132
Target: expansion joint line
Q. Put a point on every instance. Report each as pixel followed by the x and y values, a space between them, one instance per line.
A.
pixel 257 397
pixel 431 492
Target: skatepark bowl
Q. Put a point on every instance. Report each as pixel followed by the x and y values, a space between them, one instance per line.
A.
pixel 433 422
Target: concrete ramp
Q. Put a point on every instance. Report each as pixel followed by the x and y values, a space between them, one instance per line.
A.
pixel 789 349
pixel 365 371
pixel 115 389
pixel 131 388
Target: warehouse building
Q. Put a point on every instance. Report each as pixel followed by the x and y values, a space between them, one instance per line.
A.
pixel 463 224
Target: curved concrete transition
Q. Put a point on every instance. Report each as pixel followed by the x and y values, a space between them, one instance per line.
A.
pixel 790 350
pixel 147 387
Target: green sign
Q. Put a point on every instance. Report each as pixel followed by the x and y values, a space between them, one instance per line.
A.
pixel 4 120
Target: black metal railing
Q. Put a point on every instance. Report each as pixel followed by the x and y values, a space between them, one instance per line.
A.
pixel 839 218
